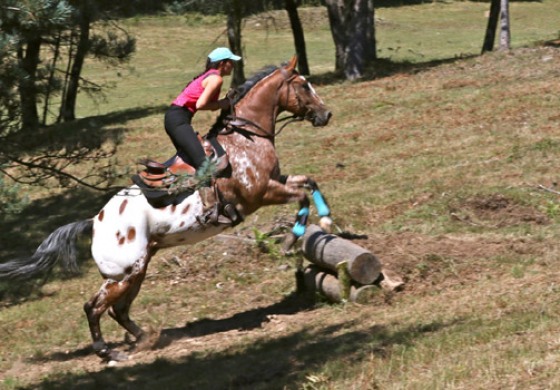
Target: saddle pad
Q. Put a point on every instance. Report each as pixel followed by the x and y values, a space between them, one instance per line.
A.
pixel 159 198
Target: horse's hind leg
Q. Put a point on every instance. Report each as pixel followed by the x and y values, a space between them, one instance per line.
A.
pixel 115 296
pixel 120 310
pixel 109 292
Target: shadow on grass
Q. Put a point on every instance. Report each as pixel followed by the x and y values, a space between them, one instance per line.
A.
pixel 247 320
pixel 385 68
pixel 88 133
pixel 274 363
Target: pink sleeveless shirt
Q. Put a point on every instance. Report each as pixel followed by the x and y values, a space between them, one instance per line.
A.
pixel 192 92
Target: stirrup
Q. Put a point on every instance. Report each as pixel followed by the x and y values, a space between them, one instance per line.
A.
pixel 217 211
pixel 153 167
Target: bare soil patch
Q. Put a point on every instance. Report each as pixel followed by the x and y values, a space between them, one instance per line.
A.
pixel 497 211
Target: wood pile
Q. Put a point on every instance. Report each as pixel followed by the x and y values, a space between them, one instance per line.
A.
pixel 342 270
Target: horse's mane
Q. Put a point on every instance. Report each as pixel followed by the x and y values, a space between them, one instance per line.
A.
pixel 239 93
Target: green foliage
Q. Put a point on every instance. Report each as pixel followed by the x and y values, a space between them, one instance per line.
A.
pixel 11 199
pixel 266 244
pixel 213 7
pixel 552 209
pixel 114 46
pixel 9 73
pixel 36 17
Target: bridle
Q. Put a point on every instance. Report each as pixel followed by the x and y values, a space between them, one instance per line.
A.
pixel 239 124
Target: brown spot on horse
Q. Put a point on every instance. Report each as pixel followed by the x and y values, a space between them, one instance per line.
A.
pixel 131 234
pixel 123 206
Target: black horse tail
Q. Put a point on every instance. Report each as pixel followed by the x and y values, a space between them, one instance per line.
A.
pixel 60 245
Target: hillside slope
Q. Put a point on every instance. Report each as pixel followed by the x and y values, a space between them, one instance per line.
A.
pixel 450 169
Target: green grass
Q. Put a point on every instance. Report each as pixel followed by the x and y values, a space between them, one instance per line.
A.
pixel 437 159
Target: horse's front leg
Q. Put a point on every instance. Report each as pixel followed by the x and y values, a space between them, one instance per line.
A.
pixel 292 189
pixel 323 210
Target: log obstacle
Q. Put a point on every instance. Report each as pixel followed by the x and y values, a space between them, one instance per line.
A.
pixel 316 279
pixel 341 270
pixel 328 251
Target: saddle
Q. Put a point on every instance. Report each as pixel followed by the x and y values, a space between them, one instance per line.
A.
pixel 169 183
pixel 165 175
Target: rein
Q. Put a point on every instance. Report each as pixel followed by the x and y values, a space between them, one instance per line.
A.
pixel 235 123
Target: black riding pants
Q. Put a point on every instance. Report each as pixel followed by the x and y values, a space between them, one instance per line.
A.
pixel 179 129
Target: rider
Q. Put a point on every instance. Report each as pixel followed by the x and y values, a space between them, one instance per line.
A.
pixel 202 93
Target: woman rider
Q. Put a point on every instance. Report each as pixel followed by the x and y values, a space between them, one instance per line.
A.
pixel 202 93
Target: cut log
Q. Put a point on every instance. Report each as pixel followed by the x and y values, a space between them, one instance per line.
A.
pixel 330 287
pixel 327 250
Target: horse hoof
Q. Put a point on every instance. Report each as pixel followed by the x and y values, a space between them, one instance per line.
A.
pixel 116 356
pixel 289 241
pixel 326 224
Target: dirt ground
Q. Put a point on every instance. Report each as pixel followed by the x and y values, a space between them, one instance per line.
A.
pixel 425 263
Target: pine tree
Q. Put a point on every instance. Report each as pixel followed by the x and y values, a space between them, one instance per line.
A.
pixel 27 24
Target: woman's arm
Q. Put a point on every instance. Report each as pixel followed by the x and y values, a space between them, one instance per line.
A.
pixel 212 85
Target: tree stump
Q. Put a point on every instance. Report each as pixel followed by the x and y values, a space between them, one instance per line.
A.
pixel 327 251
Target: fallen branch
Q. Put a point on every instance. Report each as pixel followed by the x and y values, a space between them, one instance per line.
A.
pixel 548 189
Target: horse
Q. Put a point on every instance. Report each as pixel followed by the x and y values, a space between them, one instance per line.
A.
pixel 128 231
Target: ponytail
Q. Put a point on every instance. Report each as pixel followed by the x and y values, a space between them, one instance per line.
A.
pixel 209 65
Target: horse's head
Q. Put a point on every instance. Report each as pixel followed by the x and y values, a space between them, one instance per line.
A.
pixel 299 97
pixel 258 101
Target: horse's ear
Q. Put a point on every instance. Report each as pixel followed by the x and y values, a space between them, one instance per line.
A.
pixel 292 64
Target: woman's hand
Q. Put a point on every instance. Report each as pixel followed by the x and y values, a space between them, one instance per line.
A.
pixel 224 103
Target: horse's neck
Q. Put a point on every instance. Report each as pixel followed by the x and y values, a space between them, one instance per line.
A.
pixel 260 106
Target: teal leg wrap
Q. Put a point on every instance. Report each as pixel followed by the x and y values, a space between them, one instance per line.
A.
pixel 322 208
pixel 299 227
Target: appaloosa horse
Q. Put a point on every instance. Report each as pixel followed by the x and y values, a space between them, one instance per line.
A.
pixel 128 231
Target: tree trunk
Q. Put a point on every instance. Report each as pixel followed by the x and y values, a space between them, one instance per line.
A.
pixel 299 39
pixel 371 44
pixel 505 37
pixel 235 16
pixel 68 105
pixel 27 84
pixel 50 87
pixel 335 11
pixel 352 28
pixel 356 27
pixel 490 35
